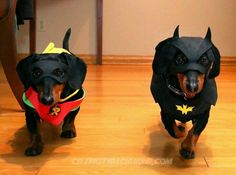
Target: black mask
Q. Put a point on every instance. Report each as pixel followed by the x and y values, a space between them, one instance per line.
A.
pixel 49 68
pixel 181 54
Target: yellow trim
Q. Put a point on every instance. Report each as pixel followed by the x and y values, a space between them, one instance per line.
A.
pixel 71 95
pixel 52 49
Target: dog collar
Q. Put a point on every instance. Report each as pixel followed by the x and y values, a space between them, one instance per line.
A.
pixel 175 90
pixel 53 114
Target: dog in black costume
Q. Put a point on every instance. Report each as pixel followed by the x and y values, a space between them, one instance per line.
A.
pixel 183 84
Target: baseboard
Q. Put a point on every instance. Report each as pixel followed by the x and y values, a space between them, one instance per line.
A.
pixel 107 59
pixel 121 59
pixel 228 61
pixel 89 59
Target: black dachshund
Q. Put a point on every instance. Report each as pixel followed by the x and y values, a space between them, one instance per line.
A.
pixel 53 91
pixel 183 84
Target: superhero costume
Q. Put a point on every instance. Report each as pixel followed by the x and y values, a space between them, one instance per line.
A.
pixel 165 87
pixel 53 114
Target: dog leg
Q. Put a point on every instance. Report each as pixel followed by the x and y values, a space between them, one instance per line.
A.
pixel 188 146
pixel 170 125
pixel 36 145
pixel 68 127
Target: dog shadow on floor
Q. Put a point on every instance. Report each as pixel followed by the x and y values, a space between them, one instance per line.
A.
pixel 51 139
pixel 164 150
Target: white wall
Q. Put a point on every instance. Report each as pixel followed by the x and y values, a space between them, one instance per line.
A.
pixel 59 15
pixel 133 27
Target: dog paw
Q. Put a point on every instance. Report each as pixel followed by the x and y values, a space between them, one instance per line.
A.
pixel 186 154
pixel 68 134
pixel 34 151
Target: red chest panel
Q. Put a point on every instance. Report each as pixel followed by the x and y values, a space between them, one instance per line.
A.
pixel 52 114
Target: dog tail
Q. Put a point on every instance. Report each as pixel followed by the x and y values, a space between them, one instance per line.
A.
pixel 66 39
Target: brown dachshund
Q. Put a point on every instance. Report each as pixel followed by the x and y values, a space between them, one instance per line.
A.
pixel 183 84
pixel 53 91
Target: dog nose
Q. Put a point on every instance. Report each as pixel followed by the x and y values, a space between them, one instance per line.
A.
pixel 46 93
pixel 192 81
pixel 47 100
pixel 192 86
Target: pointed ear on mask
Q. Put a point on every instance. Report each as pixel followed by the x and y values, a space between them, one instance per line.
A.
pixel 215 69
pixel 208 34
pixel 22 69
pixel 77 72
pixel 176 32
pixel 161 62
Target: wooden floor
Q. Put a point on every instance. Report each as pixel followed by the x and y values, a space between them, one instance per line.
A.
pixel 119 131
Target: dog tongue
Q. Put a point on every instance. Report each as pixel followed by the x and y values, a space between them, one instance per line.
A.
pixel 190 95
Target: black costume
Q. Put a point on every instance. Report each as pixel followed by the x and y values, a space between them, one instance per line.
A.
pixel 171 103
pixel 165 87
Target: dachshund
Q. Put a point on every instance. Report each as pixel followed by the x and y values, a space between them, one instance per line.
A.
pixel 53 91
pixel 183 85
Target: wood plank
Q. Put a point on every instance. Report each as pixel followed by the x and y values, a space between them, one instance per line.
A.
pixel 119 130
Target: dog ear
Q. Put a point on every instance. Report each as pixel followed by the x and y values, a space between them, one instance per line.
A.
pixel 77 72
pixel 215 70
pixel 164 53
pixel 22 69
pixel 161 62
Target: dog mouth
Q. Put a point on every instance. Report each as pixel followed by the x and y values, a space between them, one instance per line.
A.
pixel 189 94
pixel 191 88
pixel 48 101
pixel 191 83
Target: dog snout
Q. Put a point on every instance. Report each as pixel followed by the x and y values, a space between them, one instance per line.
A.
pixel 192 86
pixel 46 92
pixel 192 81
pixel 46 97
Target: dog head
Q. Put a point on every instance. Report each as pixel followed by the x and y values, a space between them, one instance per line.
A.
pixel 50 73
pixel 191 60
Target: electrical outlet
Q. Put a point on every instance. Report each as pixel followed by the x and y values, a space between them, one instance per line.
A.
pixel 41 25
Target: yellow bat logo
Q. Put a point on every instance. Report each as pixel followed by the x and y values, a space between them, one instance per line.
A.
pixel 185 109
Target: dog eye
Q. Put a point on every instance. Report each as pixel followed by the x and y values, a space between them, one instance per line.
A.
pixel 180 59
pixel 37 73
pixel 204 60
pixel 58 72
